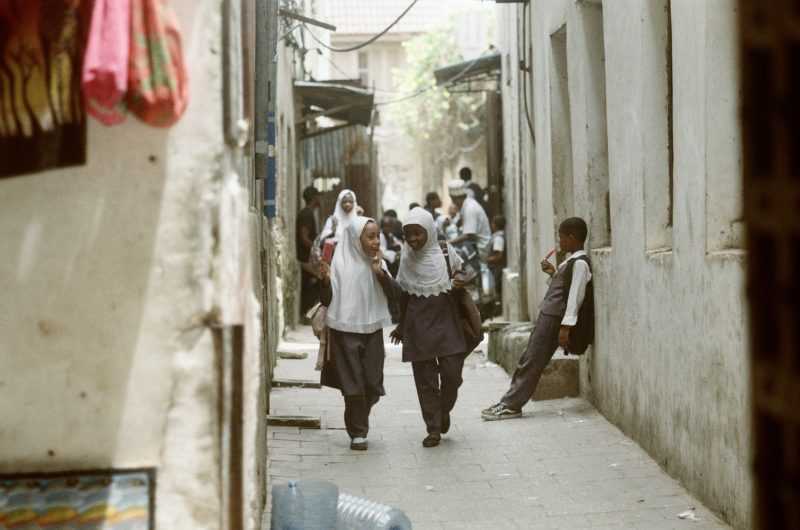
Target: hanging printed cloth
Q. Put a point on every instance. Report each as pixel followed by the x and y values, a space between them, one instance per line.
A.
pixel 157 79
pixel 42 117
pixel 105 63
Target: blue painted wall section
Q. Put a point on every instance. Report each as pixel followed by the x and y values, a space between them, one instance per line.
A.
pixel 271 184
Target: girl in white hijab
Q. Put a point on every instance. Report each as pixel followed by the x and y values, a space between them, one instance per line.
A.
pixel 343 214
pixel 356 291
pixel 430 327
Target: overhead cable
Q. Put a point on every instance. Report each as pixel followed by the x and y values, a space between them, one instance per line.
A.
pixel 366 43
pixel 453 79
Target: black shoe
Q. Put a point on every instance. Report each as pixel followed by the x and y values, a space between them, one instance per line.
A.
pixel 432 440
pixel 358 444
pixel 445 423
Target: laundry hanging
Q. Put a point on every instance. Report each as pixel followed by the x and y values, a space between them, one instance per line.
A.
pixel 158 82
pixel 106 61
pixel 42 117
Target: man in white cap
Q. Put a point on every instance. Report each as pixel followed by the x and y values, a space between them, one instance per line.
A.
pixel 475 226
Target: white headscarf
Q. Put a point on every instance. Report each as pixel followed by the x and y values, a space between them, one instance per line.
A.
pixel 358 304
pixel 424 272
pixel 342 218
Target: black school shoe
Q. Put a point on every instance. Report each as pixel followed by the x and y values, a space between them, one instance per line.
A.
pixel 359 444
pixel 432 440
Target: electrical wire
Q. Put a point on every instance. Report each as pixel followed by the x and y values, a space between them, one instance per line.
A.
pixel 367 42
pixel 453 79
pixel 524 73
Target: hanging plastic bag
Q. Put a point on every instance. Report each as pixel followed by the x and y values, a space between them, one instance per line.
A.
pixel 157 82
pixel 105 64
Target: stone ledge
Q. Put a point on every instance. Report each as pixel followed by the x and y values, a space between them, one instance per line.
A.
pixel 507 343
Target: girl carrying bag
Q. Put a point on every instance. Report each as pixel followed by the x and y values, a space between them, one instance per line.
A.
pixel 469 314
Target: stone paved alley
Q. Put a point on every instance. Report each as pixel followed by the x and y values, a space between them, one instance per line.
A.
pixel 561 466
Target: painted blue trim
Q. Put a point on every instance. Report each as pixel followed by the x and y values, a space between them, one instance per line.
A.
pixel 271 182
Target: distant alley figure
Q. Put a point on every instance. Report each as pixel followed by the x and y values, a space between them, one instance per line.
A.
pixel 356 290
pixel 430 330
pixel 343 214
pixel 566 320
pixel 306 233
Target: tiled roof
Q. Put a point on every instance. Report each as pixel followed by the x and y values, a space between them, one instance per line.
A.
pixel 369 17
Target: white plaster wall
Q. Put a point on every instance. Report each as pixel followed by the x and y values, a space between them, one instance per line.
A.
pixel 669 365
pixel 106 274
pixel 289 197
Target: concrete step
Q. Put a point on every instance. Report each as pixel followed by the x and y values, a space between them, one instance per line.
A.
pixel 507 343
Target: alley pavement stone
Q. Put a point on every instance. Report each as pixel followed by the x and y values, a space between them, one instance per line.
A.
pixel 561 466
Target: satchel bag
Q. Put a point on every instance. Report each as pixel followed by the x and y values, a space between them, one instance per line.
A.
pixel 317 315
pixel 582 334
pixel 469 314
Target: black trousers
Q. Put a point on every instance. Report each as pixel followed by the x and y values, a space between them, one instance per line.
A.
pixel 541 347
pixel 356 369
pixel 437 382
pixel 309 292
pixel 356 414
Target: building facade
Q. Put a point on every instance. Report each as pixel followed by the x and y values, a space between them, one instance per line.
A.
pixel 402 173
pixel 631 122
pixel 130 333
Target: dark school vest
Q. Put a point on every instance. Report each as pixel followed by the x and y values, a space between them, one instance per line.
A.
pixel 555 304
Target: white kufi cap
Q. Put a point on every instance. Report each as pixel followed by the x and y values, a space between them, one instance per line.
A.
pixel 457 188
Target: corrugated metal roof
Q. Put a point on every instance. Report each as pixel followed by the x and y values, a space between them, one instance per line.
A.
pixel 369 17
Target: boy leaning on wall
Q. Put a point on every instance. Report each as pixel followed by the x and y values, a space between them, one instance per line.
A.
pixel 566 320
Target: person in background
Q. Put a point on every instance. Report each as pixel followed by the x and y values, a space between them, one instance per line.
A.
pixel 397 229
pixel 449 225
pixel 432 202
pixel 497 253
pixel 430 323
pixel 475 228
pixel 390 245
pixel 474 189
pixel 306 229
pixel 570 285
pixel 413 205
pixel 356 290
pixel 343 215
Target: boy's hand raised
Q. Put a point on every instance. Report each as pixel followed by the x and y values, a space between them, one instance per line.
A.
pixel 548 267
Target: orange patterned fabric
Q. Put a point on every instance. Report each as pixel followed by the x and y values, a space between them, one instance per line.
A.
pixel 158 82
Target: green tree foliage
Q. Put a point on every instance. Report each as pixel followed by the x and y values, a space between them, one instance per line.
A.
pixel 436 118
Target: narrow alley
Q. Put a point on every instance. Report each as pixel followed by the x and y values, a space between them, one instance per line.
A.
pixel 586 211
pixel 562 466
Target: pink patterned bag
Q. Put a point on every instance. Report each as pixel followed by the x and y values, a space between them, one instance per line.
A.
pixel 105 63
pixel 158 91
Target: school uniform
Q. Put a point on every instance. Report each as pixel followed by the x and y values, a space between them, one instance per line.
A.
pixel 560 307
pixel 358 310
pixel 433 340
pixel 434 344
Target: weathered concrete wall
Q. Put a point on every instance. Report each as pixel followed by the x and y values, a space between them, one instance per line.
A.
pixel 669 365
pixel 289 192
pixel 109 273
pixel 518 156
